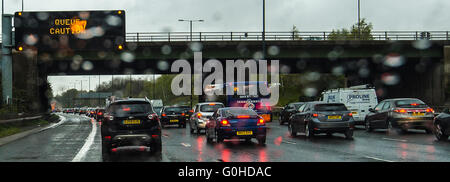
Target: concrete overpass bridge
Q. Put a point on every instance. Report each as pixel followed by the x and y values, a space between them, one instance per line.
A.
pixel 418 65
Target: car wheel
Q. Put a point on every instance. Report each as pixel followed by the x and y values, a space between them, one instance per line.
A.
pixel 218 138
pixel 309 133
pixel 292 132
pixel 106 153
pixel 367 126
pixel 156 147
pixel 348 134
pixel 262 140
pixel 209 139
pixel 439 134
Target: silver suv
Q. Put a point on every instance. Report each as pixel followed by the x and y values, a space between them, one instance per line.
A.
pixel 202 112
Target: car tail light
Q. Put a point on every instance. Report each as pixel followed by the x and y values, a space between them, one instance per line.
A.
pixel 163 114
pixel 191 111
pixel 225 123
pixel 315 115
pixel 430 110
pixel 212 104
pixel 183 114
pixel 199 115
pixel 400 110
pixel 100 113
pixel 261 122
pixel 243 116
pixel 152 116
pixel 108 137
pixel 350 114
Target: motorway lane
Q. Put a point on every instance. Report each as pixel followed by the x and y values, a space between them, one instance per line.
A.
pixel 58 144
pixel 65 143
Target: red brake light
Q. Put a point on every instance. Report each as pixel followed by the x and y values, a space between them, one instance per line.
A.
pixel 225 123
pixel 350 114
pixel 164 114
pixel 400 110
pixel 243 116
pixel 212 104
pixel 199 115
pixel 414 104
pixel 126 109
pixel 315 115
pixel 261 122
pixel 430 110
pixel 183 114
pixel 191 111
pixel 100 113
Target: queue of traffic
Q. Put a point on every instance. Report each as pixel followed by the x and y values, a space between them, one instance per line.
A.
pixel 136 123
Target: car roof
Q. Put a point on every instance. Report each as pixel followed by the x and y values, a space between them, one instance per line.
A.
pixel 204 103
pixel 396 99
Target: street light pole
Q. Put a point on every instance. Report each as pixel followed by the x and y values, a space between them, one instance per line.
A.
pixel 190 26
pixel 264 30
pixel 359 19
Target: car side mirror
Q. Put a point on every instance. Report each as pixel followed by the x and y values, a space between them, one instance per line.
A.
pixel 371 110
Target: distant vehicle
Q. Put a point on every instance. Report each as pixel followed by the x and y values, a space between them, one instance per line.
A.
pixel 319 117
pixel 236 123
pixel 187 110
pixel 130 124
pixel 99 114
pixel 400 114
pixel 256 102
pixel 357 99
pixel 171 115
pixel 288 110
pixel 201 114
pixel 441 125
pixel 157 106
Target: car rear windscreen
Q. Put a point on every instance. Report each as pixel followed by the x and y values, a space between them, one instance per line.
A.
pixel 410 103
pixel 210 107
pixel 330 107
pixel 239 111
pixel 130 108
pixel 174 110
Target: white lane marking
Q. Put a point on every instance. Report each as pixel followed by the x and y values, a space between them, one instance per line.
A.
pixel 63 120
pixel 393 139
pixel 186 144
pixel 288 142
pixel 89 141
pixel 384 160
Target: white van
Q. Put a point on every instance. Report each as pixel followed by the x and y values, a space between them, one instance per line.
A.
pixel 357 99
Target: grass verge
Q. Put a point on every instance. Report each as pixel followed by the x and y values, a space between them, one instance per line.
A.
pixel 9 129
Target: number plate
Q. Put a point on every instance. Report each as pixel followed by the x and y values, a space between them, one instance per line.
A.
pixel 244 132
pixel 418 114
pixel 174 120
pixel 131 122
pixel 334 117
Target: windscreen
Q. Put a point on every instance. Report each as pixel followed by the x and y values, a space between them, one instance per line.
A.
pixel 130 108
pixel 174 110
pixel 210 107
pixel 330 107
pixel 239 111
pixel 410 103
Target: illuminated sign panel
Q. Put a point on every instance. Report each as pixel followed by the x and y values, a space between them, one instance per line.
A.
pixel 70 30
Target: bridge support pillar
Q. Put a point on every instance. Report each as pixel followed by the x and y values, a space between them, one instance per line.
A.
pixel 6 65
pixel 446 75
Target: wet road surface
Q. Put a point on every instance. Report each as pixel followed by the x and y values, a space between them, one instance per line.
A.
pixel 77 138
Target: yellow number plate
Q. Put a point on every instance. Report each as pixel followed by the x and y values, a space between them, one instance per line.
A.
pixel 418 114
pixel 334 117
pixel 244 133
pixel 135 121
pixel 174 120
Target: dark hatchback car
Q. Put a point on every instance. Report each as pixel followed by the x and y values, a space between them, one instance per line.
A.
pixel 173 115
pixel 288 111
pixel 400 114
pixel 235 123
pixel 442 125
pixel 130 125
pixel 319 117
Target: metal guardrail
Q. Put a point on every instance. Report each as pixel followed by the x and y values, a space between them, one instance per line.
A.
pixel 19 119
pixel 277 36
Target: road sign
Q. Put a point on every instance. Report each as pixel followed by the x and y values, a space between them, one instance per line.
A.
pixel 70 30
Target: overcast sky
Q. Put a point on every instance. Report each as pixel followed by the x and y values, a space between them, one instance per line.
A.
pixel 246 15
